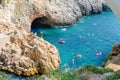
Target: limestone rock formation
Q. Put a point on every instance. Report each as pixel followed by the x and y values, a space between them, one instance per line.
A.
pixel 50 12
pixel 26 54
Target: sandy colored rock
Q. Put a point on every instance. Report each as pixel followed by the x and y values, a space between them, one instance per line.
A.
pixel 26 54
pixel 113 66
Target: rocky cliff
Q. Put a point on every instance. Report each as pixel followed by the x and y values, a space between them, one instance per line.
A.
pixel 24 53
pixel 51 12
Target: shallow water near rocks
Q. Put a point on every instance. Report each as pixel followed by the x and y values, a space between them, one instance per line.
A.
pixel 91 35
pixel 87 42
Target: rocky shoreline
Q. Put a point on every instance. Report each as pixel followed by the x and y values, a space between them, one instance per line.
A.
pixel 26 54
pixel 50 12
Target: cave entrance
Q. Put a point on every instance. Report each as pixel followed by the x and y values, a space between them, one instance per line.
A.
pixel 40 22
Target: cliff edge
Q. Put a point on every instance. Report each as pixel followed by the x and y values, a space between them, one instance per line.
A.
pixel 50 12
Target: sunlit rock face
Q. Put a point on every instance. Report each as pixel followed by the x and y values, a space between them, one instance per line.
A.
pixel 51 12
pixel 24 53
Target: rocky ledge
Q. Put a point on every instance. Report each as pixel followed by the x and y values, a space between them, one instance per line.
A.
pixel 24 53
pixel 113 60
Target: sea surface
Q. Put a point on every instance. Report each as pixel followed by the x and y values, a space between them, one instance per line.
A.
pixel 87 42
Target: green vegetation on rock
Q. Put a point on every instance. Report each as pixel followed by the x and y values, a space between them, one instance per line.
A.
pixel 0 1
pixel 109 57
pixel 77 74
pixel 116 76
pixel 8 1
pixel 94 69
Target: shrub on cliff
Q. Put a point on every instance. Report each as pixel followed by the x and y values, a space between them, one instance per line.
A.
pixel 0 1
pixel 77 74
pixel 116 76
pixel 109 57
pixel 94 69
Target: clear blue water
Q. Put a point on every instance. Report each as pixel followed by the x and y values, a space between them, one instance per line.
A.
pixel 92 34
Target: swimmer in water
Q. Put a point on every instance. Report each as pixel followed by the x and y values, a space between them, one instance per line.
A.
pixel 87 52
pixel 73 60
pixel 79 55
pixel 100 53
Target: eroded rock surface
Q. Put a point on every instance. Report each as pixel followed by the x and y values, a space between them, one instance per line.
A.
pixel 51 12
pixel 26 54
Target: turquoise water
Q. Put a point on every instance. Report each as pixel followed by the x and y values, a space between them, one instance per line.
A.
pixel 92 34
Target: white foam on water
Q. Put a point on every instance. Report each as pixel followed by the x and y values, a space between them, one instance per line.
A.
pixel 64 29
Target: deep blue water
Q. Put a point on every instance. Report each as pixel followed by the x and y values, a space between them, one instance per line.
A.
pixel 92 34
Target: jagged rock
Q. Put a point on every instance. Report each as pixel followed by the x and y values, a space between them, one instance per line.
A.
pixel 116 49
pixel 26 54
pixel 49 12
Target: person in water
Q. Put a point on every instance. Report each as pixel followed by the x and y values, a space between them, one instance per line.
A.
pixel 73 61
pixel 79 55
pixel 87 52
